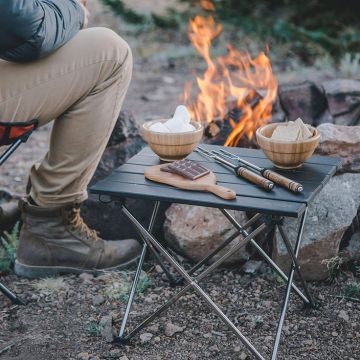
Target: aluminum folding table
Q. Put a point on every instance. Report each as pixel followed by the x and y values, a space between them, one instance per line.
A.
pixel 271 208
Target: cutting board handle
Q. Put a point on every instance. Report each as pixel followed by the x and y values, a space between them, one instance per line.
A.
pixel 221 191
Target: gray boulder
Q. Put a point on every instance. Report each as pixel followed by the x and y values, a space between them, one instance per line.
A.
pixel 329 216
pixel 340 140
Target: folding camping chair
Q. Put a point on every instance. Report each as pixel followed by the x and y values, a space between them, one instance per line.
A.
pixel 12 135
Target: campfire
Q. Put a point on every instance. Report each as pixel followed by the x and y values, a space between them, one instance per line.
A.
pixel 235 90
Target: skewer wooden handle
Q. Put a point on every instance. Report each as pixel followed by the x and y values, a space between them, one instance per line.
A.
pixel 282 180
pixel 254 178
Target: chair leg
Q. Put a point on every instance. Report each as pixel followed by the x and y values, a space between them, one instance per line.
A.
pixel 13 297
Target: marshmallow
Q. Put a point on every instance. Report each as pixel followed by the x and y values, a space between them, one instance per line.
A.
pixel 180 122
pixel 188 127
pixel 182 114
pixel 159 127
pixel 180 118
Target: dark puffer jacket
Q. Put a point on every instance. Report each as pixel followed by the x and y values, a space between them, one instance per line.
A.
pixel 31 29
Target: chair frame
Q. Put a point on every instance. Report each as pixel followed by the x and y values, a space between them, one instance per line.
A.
pixel 3 157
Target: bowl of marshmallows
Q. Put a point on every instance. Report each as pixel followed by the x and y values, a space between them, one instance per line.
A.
pixel 175 138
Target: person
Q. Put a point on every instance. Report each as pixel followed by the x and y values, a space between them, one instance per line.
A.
pixel 53 68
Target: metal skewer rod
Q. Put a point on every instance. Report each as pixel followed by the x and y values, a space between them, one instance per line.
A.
pixel 240 171
pixel 268 174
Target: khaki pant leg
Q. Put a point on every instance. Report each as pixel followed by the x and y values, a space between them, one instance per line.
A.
pixel 82 86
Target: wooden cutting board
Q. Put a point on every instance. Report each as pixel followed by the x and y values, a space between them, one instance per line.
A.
pixel 205 183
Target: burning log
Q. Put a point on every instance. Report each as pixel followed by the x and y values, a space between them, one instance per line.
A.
pixel 218 131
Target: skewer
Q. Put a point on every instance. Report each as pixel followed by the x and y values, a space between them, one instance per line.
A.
pixel 266 173
pixel 240 171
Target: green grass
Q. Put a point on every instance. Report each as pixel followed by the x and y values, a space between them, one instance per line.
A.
pixel 352 291
pixel 9 242
pixel 93 329
pixel 120 289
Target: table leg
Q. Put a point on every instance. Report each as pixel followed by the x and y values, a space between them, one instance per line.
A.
pixel 138 272
pixel 193 282
pixel 288 288
pixel 296 264
pixel 264 255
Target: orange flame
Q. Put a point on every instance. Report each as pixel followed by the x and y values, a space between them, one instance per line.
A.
pixel 230 81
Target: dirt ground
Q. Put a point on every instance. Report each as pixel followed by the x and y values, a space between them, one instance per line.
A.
pixel 62 320
pixel 68 317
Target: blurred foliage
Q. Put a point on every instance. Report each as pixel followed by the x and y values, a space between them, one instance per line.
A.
pixel 333 25
pixel 311 27
pixel 129 15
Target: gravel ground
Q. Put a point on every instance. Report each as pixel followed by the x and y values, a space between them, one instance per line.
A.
pixel 69 318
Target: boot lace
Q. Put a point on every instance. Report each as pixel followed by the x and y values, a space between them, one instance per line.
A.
pixel 77 223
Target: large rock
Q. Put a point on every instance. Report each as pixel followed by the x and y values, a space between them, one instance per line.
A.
pixel 194 231
pixel 350 243
pixel 305 100
pixel 343 98
pixel 329 216
pixel 340 140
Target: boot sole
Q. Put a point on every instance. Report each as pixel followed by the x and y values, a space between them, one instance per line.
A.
pixel 31 271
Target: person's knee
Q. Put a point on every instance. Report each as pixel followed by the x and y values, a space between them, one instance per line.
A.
pixel 114 47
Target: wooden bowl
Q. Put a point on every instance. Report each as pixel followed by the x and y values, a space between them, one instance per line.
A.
pixel 286 154
pixel 172 146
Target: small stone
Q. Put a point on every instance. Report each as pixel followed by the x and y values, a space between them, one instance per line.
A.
pixel 243 356
pixel 86 277
pixel 308 342
pixel 214 348
pixel 83 356
pixel 334 333
pixel 98 300
pixel 268 338
pixel 343 315
pixel 251 266
pixel 106 331
pixel 115 352
pixel 145 337
pixel 171 329
pixel 153 328
pixel 124 358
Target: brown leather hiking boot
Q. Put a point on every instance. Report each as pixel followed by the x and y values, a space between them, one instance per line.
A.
pixel 56 241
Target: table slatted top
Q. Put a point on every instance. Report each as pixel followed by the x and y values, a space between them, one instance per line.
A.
pixel 128 181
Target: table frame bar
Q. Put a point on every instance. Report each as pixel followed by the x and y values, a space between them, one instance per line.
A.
pixel 159 251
